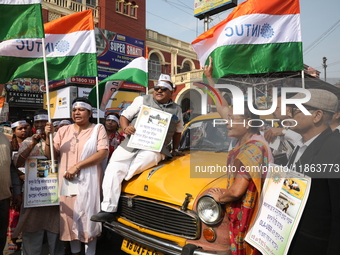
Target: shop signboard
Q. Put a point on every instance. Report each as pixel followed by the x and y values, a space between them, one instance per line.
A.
pixel 55 84
pixel 26 85
pixel 24 99
pixel 115 50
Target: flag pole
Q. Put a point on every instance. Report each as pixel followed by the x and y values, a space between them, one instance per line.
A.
pixel 303 78
pixel 97 95
pixel 147 78
pixel 48 102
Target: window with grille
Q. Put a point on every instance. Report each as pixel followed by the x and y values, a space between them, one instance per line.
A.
pixel 92 3
pixel 133 9
pixel 154 66
pixel 186 68
pixel 118 6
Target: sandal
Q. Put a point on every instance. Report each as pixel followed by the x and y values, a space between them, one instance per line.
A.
pixel 12 247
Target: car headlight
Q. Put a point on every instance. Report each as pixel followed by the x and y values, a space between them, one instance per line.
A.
pixel 209 211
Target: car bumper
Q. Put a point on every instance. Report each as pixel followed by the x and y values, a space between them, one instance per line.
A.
pixel 158 244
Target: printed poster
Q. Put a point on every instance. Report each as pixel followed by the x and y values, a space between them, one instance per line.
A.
pixel 41 183
pixel 151 128
pixel 285 195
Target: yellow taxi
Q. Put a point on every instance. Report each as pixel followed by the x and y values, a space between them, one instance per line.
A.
pixel 167 209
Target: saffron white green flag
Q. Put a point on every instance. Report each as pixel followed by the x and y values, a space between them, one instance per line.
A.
pixel 136 72
pixel 259 36
pixel 21 19
pixel 70 51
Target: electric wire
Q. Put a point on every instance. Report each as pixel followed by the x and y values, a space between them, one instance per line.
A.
pixel 171 21
pixel 321 37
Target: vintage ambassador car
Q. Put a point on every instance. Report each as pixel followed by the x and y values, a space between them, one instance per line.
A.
pixel 167 209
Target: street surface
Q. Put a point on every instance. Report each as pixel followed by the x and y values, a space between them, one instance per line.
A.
pixel 108 244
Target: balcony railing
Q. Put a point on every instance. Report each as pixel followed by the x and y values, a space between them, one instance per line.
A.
pixel 71 6
pixel 192 76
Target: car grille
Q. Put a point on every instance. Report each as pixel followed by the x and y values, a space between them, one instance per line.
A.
pixel 159 217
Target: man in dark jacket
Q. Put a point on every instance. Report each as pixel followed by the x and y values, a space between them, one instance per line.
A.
pixel 318 231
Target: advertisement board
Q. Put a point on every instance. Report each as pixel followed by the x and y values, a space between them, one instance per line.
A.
pixel 116 50
pixel 117 104
pixel 60 102
pixel 211 7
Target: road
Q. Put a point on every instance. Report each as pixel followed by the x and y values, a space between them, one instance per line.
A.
pixel 108 244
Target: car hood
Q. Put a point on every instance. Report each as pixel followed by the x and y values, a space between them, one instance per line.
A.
pixel 172 180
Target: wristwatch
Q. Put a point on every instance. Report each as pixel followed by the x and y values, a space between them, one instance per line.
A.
pixel 284 131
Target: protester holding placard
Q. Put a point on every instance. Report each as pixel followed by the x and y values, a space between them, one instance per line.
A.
pixel 80 147
pixel 243 186
pixel 35 222
pixel 126 161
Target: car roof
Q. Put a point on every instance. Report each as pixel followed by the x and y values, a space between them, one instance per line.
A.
pixel 213 115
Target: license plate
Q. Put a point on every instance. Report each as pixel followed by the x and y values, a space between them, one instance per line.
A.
pixel 134 248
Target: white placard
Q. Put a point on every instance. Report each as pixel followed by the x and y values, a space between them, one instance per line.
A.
pixel 151 129
pixel 41 184
pixel 284 196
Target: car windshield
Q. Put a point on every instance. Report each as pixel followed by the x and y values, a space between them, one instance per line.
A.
pixel 203 135
pixel 127 105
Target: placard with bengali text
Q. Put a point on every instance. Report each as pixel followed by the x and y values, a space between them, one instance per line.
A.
pixel 151 128
pixel 41 183
pixel 284 197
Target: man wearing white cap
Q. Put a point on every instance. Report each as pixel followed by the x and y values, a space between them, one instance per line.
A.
pixel 127 162
pixel 317 156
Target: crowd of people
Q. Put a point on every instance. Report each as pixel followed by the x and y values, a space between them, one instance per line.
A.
pixel 85 151
pixel 92 157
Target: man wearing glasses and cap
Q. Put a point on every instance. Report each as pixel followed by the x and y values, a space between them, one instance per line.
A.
pixel 317 156
pixel 126 162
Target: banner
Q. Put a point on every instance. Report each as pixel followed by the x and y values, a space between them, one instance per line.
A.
pixel 285 195
pixel 41 184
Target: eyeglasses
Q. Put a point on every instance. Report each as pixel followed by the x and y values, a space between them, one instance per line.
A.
pixel 163 89
pixel 296 110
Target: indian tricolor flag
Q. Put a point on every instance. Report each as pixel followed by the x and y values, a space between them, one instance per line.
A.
pixel 135 72
pixel 70 51
pixel 20 19
pixel 259 36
